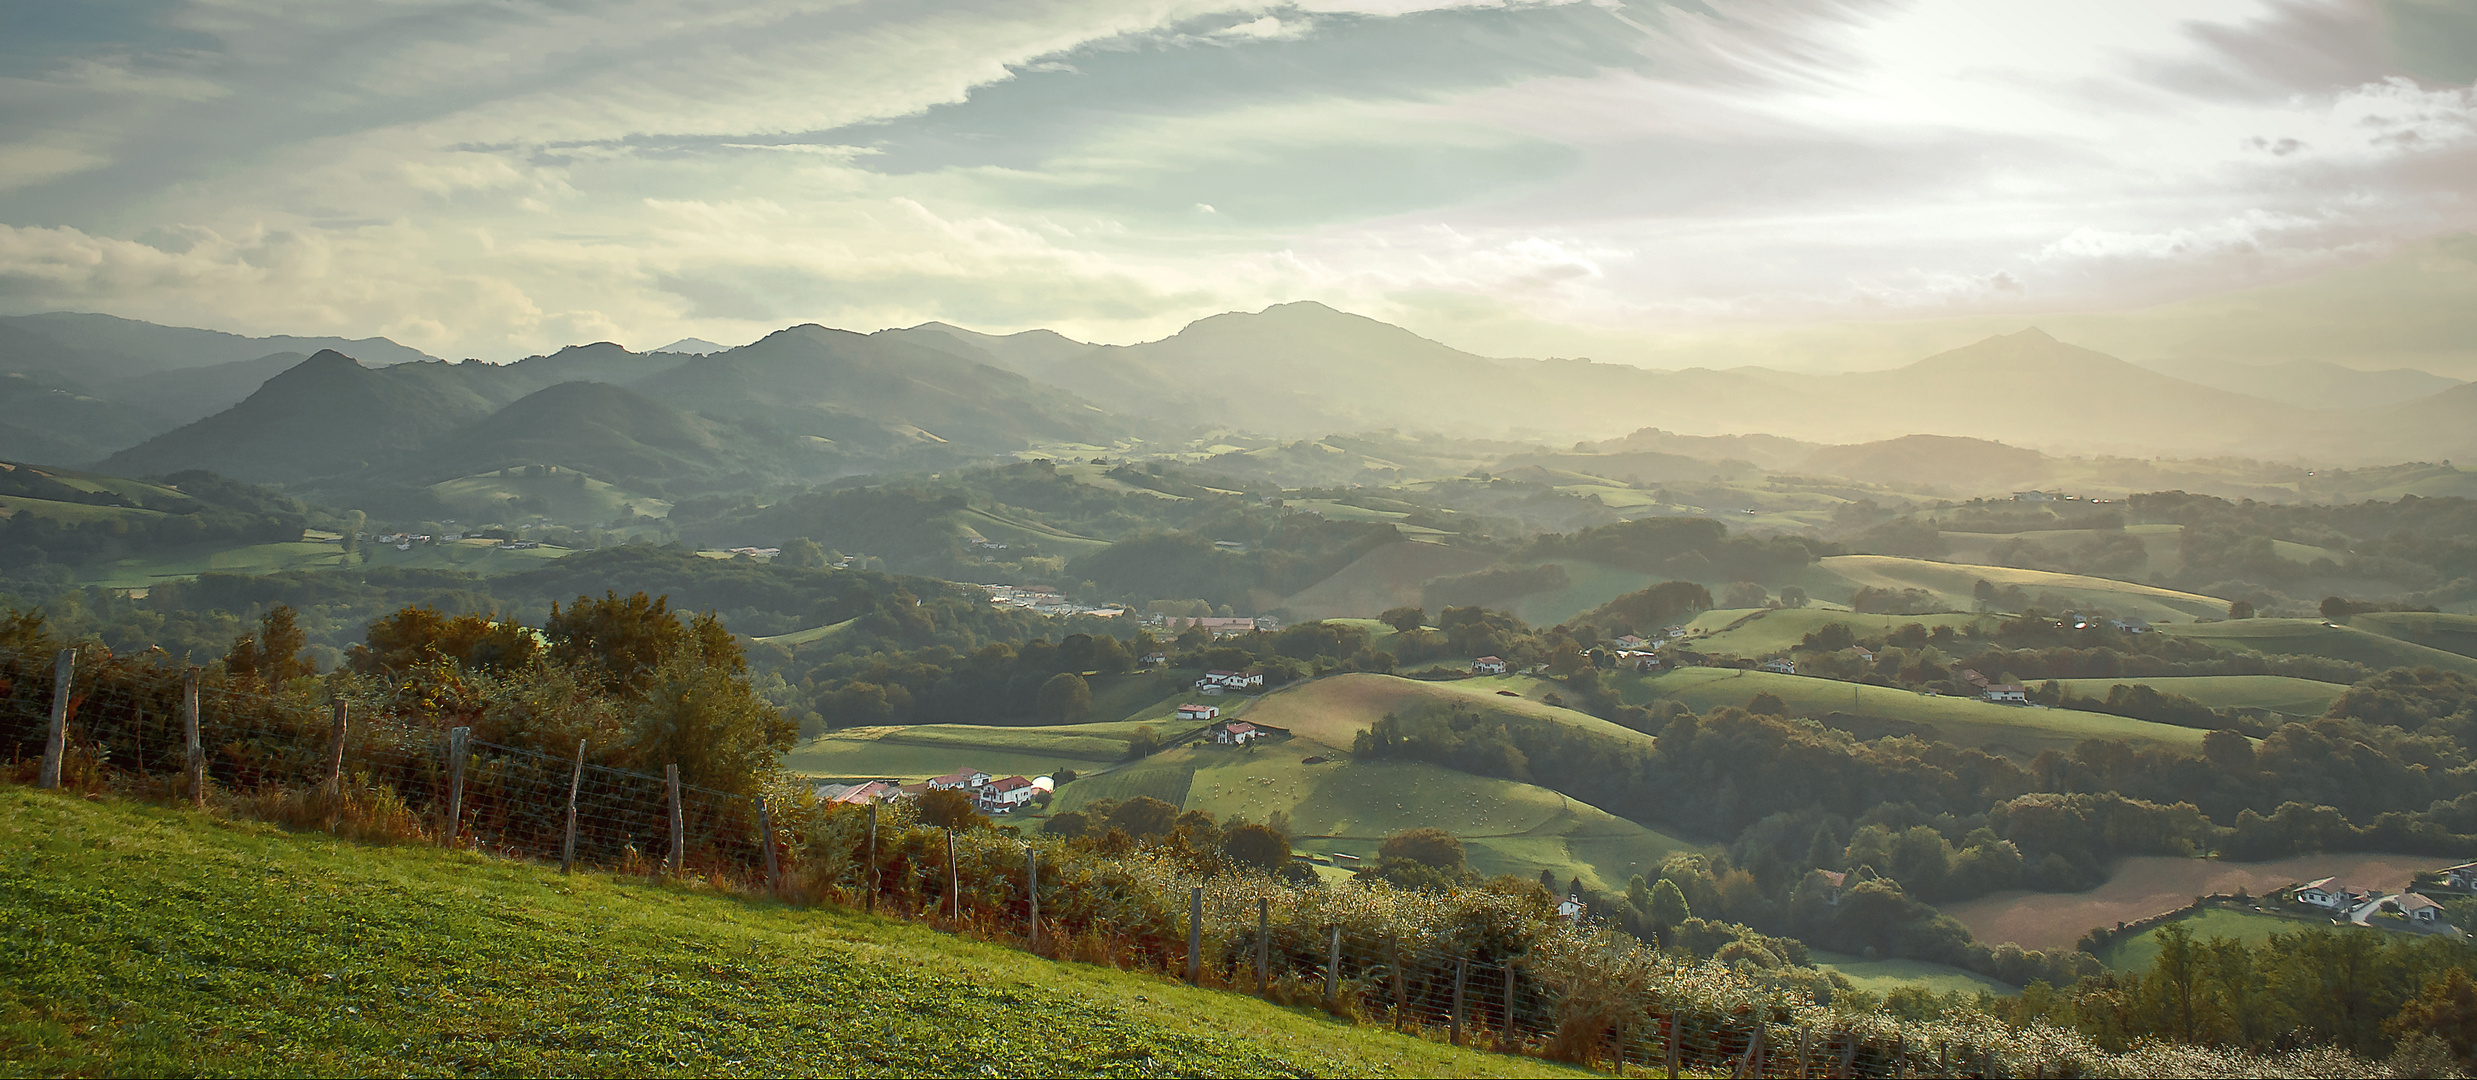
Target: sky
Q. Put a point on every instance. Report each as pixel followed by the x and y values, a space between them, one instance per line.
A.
pixel 498 179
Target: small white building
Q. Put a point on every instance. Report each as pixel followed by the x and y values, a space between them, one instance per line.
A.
pixel 1229 680
pixel 1235 733
pixel 1198 713
pixel 2010 693
pixel 2462 877
pixel 2324 893
pixel 1779 666
pixel 2421 911
pixel 960 780
pixel 1001 796
pixel 1488 665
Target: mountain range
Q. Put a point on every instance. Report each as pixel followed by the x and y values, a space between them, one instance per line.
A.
pixel 809 403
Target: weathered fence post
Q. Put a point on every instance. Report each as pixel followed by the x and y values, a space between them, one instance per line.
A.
pixel 1264 946
pixel 1333 967
pixel 1032 891
pixel 1849 1053
pixel 567 841
pixel 1195 934
pixel 196 746
pixel 679 820
pixel 1401 982
pixel 765 837
pixel 1755 1048
pixel 871 902
pixel 1453 1026
pixel 1670 1054
pixel 1943 1059
pixel 1805 1042
pixel 954 881
pixel 56 743
pixel 453 827
pixel 335 750
pixel 1505 1024
pixel 1900 1057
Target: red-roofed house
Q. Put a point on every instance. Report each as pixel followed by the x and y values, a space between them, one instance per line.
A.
pixel 1235 733
pixel 1488 665
pixel 2421 910
pixel 1000 796
pixel 1198 713
pixel 964 779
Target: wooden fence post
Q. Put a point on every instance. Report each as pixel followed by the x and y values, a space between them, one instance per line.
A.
pixel 1333 967
pixel 1943 1059
pixel 56 743
pixel 1806 1037
pixel 1670 1051
pixel 1900 1057
pixel 452 829
pixel 567 843
pixel 954 881
pixel 1454 1025
pixel 335 750
pixel 1755 1048
pixel 679 820
pixel 1849 1053
pixel 1032 891
pixel 765 837
pixel 1505 1024
pixel 1195 934
pixel 871 900
pixel 1264 946
pixel 1401 983
pixel 196 764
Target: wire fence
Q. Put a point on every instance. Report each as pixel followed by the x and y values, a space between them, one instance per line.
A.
pixel 1454 969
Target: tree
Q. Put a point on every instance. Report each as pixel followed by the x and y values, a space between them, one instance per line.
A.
pixel 417 635
pixel 948 809
pixel 804 553
pixel 1144 742
pixel 1064 699
pixel 1404 619
pixel 273 654
pixel 1260 846
pixel 1668 905
pixel 2240 609
pixel 1430 847
pixel 354 522
pixel 1744 594
pixel 1143 816
pixel 2445 1008
pixel 1063 777
pixel 1069 824
pixel 1767 704
pixel 1793 596
pixel 684 687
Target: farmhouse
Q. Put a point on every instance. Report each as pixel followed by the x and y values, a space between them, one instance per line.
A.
pixel 2327 893
pixel 2010 693
pixel 1833 881
pixel 1214 681
pixel 1197 713
pixel 2463 876
pixel 1235 733
pixel 960 779
pixel 1631 641
pixel 1488 665
pixel 2420 911
pixel 1000 796
pixel 1781 666
pixel 1863 654
pixel 863 794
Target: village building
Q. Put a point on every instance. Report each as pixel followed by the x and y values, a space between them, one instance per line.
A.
pixel 2420 910
pixel 2327 893
pixel 1002 796
pixel 1833 882
pixel 1488 665
pixel 2462 877
pixel 1198 714
pixel 959 780
pixel 859 794
pixel 1781 666
pixel 2011 693
pixel 1235 733
pixel 1215 682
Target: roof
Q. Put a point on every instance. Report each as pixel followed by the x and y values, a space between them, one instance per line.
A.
pixel 957 776
pixel 1199 708
pixel 1009 784
pixel 1238 727
pixel 2317 883
pixel 2415 901
pixel 863 793
pixel 1489 660
pixel 2005 688
pixel 1834 878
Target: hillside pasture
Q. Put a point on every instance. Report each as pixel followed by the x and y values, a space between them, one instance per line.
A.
pixel 2138 952
pixel 925 750
pixel 2448 632
pixel 1387 577
pixel 2146 885
pixel 72 512
pixel 1346 806
pixel 1954 583
pixel 2275 693
pixel 2015 731
pixel 810 636
pixel 1781 629
pixel 1335 709
pixel 2318 638
pixel 561 495
pixel 1885 976
pixel 988 525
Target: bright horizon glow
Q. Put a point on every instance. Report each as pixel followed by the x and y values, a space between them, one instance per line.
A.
pixel 1515 178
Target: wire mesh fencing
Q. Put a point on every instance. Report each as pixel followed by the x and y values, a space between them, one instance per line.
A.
pixel 1483 972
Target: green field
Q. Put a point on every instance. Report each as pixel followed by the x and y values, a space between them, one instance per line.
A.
pixel 810 636
pixel 162 942
pixel 1349 807
pixel 13 505
pixel 562 495
pixel 1333 710
pixel 2449 633
pixel 2318 638
pixel 1953 583
pixel 1780 629
pixel 2276 693
pixel 2015 731
pixel 2136 952
pixel 1007 530
pixel 1885 976
pixel 925 750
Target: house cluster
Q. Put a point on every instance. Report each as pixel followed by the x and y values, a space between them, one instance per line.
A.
pixel 765 553
pixel 2362 905
pixel 2008 693
pixel 1046 600
pixel 1222 682
pixel 1219 626
pixel 990 794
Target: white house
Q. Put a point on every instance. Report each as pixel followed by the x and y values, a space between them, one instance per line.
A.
pixel 2421 911
pixel 1488 665
pixel 2463 876
pixel 1229 680
pixel 1571 908
pixel 1000 796
pixel 960 779
pixel 1781 666
pixel 1235 733
pixel 1197 713
pixel 2324 893
pixel 2010 693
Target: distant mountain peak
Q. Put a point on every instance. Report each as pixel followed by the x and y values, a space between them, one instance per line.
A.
pixel 693 346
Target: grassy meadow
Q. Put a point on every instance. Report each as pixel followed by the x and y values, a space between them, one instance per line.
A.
pixel 1885 976
pixel 2145 885
pixel 1757 632
pixel 2276 693
pixel 173 943
pixel 2015 731
pixel 1954 582
pixel 2318 638
pixel 562 495
pixel 2137 952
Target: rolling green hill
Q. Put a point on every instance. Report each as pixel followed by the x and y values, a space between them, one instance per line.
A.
pixel 2014 731
pixel 2319 638
pixel 1953 583
pixel 174 943
pixel 2448 632
pixel 549 491
pixel 2277 693
pixel 326 416
pixel 1758 632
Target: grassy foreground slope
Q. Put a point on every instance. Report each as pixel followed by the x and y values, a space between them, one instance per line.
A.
pixel 149 940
